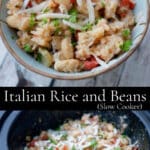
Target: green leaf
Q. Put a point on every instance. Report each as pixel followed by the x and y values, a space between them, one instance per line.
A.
pixel 126 33
pixel 93 143
pixel 27 48
pixel 74 43
pixel 57 31
pixel 64 136
pixel 45 10
pixel 39 57
pixel 88 26
pixel 124 136
pixel 32 20
pixel 73 15
pixel 117 148
pixel 50 148
pixel 56 22
pixel 52 140
pixel 44 21
pixel 126 45
pixel 73 148
pixel 72 30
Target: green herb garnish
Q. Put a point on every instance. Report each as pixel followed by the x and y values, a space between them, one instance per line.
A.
pixel 56 22
pixel 88 26
pixel 64 136
pixel 117 148
pixel 93 143
pixel 27 48
pixel 74 44
pixel 32 20
pixel 73 148
pixel 52 140
pixel 57 31
pixel 73 15
pixel 50 148
pixel 72 30
pixel 39 57
pixel 44 21
pixel 45 10
pixel 124 136
pixel 126 45
pixel 126 33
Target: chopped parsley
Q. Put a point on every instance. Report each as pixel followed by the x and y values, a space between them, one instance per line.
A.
pixel 52 140
pixel 56 22
pixel 57 31
pixel 50 148
pixel 39 57
pixel 93 143
pixel 73 15
pixel 117 148
pixel 126 33
pixel 27 48
pixel 124 136
pixel 45 10
pixel 74 43
pixel 86 27
pixel 64 136
pixel 44 21
pixel 72 30
pixel 73 148
pixel 126 45
pixel 32 20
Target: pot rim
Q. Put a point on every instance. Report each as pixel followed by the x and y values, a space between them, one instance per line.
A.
pixel 4 133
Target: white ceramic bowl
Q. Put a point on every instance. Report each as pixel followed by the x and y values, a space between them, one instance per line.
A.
pixel 142 13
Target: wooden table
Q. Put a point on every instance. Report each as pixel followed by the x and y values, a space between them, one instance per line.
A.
pixel 134 72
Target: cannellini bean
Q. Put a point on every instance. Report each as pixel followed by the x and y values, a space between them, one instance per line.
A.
pixel 70 65
pixel 46 57
pixel 67 48
pixel 18 21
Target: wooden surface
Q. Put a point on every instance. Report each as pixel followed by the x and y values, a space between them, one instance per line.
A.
pixel 134 72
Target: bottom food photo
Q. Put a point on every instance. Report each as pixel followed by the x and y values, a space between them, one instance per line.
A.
pixel 75 130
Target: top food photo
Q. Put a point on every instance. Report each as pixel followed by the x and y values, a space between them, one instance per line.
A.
pixel 73 39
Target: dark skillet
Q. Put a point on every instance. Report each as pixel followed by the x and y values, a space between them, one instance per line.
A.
pixel 30 123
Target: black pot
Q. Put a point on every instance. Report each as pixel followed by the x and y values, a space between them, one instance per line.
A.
pixel 20 124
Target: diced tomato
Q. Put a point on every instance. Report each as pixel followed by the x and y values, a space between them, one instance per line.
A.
pixel 30 4
pixel 90 64
pixel 123 15
pixel 44 136
pixel 32 143
pixel 65 147
pixel 73 1
pixel 38 1
pixel 128 3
